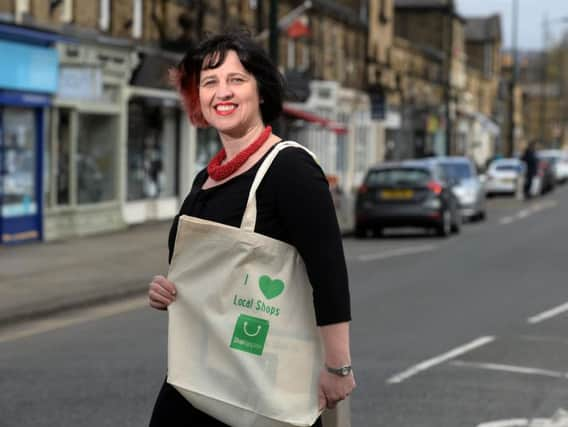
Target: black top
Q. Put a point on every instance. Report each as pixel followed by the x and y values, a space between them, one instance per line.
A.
pixel 294 205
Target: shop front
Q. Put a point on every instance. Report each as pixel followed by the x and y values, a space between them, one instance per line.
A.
pixel 158 155
pixel 85 172
pixel 24 98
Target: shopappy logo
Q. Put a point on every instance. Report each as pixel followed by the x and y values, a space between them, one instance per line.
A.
pixel 250 334
pixel 271 288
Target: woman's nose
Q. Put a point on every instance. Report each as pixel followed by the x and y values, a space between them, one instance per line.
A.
pixel 224 91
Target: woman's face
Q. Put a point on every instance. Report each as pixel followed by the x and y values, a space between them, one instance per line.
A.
pixel 229 97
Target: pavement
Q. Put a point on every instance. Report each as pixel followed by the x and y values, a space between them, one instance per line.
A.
pixel 43 278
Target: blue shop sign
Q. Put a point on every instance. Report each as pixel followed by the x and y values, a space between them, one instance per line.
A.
pixel 28 68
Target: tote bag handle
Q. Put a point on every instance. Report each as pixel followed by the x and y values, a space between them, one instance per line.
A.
pixel 249 217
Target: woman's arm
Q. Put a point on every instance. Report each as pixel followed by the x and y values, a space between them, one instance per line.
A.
pixel 333 388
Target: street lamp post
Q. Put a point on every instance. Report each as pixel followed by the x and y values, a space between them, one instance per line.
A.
pixel 514 77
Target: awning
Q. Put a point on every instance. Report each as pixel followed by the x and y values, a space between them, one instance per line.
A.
pixel 22 34
pixel 332 125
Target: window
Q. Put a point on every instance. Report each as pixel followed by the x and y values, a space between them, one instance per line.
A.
pixel 153 135
pixel 62 178
pixel 67 12
pixel 208 145
pixel 136 19
pixel 19 170
pixel 403 176
pixel 22 8
pixel 104 15
pixel 96 158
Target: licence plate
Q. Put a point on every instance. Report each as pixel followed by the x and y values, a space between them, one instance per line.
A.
pixel 397 194
pixel 507 180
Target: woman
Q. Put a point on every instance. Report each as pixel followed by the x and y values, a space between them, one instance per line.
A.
pixel 228 82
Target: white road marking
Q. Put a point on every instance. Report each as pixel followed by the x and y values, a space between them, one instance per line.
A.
pixel 506 220
pixel 395 252
pixel 510 368
pixel 427 364
pixel 524 213
pixel 518 422
pixel 40 326
pixel 548 314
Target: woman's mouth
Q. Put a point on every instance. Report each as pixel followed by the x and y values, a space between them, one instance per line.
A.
pixel 225 109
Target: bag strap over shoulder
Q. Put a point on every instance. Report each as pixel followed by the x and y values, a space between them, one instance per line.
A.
pixel 249 217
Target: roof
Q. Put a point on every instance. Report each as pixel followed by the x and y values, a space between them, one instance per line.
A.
pixel 423 3
pixel 483 28
pixel 446 6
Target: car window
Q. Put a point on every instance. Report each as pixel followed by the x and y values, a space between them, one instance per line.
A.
pixel 457 171
pixel 508 167
pixel 398 176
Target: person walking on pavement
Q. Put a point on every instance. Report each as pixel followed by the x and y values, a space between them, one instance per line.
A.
pixel 229 83
pixel 531 164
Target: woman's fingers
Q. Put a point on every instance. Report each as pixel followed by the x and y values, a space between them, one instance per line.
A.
pixel 165 284
pixel 161 292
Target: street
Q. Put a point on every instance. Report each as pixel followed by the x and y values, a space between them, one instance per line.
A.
pixel 446 333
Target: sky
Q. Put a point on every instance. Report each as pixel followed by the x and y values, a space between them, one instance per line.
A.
pixel 531 17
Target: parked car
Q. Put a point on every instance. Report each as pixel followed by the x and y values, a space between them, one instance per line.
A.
pixel 406 194
pixel 545 179
pixel 462 174
pixel 559 161
pixel 504 176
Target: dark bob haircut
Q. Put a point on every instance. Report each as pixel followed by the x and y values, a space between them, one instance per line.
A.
pixel 210 54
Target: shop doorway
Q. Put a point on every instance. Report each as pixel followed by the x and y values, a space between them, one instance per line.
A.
pixel 20 174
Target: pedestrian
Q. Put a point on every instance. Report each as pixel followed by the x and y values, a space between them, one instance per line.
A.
pixel 229 83
pixel 531 164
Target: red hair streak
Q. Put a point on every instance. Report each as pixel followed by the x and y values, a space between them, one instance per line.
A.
pixel 187 86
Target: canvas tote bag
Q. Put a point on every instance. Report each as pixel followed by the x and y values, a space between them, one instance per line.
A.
pixel 243 345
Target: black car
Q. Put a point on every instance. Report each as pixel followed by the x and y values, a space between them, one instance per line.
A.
pixel 406 194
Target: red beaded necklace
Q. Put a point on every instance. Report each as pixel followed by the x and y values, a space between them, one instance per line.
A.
pixel 219 172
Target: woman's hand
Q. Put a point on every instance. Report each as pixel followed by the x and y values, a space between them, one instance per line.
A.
pixel 333 388
pixel 161 293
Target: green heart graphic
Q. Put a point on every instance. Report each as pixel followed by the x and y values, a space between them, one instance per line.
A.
pixel 271 288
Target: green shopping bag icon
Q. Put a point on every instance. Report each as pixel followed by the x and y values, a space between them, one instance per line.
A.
pixel 250 334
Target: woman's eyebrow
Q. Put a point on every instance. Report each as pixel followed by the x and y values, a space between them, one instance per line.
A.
pixel 212 77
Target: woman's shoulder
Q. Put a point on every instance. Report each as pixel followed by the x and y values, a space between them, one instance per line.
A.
pixel 294 156
pixel 294 164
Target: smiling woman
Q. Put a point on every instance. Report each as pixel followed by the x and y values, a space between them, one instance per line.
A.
pixel 229 83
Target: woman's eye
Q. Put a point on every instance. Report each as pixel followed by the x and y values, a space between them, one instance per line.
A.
pixel 237 80
pixel 208 83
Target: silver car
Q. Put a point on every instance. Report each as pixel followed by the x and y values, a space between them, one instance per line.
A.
pixel 461 173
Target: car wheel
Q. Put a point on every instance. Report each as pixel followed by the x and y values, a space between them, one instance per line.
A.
pixel 445 227
pixel 482 216
pixel 378 231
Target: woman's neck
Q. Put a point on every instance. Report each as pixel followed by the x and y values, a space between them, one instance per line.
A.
pixel 233 144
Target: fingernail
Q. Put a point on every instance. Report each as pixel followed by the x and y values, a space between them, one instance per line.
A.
pixel 174 292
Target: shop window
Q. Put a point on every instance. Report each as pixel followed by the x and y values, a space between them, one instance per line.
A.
pixel 62 178
pixel 19 172
pixel 153 135
pixel 96 158
pixel 208 145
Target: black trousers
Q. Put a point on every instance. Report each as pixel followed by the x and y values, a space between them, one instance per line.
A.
pixel 172 410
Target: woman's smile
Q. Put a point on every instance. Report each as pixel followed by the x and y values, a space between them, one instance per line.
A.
pixel 225 108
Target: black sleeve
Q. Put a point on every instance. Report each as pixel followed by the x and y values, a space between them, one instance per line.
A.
pixel 305 207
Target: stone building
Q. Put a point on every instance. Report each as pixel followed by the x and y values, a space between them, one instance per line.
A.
pixel 485 109
pixel 434 26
